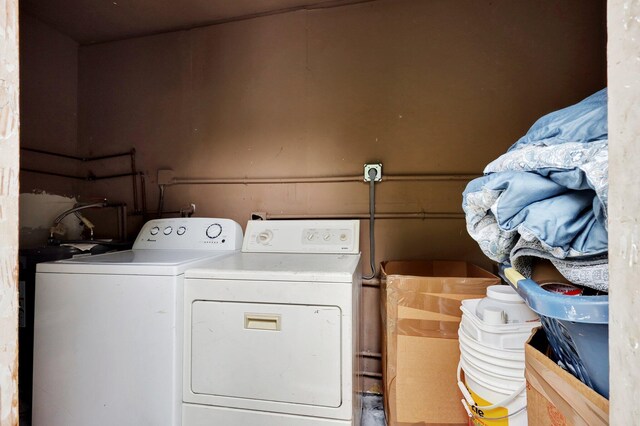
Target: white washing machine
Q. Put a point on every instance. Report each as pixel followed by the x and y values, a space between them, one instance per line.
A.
pixel 271 333
pixel 108 328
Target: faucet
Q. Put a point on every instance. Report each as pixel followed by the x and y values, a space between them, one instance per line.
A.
pixel 76 208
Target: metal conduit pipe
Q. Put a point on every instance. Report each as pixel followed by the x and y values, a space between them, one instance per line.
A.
pixel 431 177
pixel 401 215
pixel 260 181
pixel 75 157
pixel 440 177
pixel 143 194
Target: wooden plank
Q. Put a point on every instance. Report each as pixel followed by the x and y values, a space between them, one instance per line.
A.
pixel 624 210
pixel 9 156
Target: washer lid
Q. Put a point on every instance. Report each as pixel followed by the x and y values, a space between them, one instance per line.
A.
pixel 134 262
pixel 281 267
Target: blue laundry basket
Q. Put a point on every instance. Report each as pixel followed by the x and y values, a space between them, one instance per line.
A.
pixel 577 328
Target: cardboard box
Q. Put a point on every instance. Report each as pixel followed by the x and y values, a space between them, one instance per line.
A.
pixel 420 307
pixel 554 396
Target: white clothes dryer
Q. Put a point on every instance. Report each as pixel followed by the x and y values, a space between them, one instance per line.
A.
pixel 108 328
pixel 271 333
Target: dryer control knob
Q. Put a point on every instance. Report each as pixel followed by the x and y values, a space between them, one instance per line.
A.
pixel 264 237
pixel 214 230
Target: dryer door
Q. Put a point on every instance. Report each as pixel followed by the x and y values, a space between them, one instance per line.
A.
pixel 271 352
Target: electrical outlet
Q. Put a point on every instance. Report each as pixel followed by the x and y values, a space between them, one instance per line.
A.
pixel 373 166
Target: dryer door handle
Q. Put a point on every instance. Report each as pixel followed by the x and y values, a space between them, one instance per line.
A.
pixel 262 322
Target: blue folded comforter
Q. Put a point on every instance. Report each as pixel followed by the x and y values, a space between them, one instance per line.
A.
pixel 550 187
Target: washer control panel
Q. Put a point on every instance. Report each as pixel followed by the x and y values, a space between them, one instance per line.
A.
pixel 302 236
pixel 190 233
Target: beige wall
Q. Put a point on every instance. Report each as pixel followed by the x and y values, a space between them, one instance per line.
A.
pixel 49 104
pixel 422 86
pixel 9 155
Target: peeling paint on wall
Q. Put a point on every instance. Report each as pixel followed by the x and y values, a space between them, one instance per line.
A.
pixel 9 155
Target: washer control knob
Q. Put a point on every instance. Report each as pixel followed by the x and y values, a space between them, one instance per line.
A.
pixel 154 230
pixel 264 237
pixel 167 230
pixel 214 230
pixel 181 230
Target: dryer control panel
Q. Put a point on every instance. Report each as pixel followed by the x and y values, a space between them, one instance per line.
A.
pixel 302 236
pixel 190 233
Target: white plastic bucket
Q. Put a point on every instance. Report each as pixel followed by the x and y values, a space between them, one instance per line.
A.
pixel 498 354
pixel 489 377
pixel 492 335
pixel 492 405
pixel 508 363
pixel 485 364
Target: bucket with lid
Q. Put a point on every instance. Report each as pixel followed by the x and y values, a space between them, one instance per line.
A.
pixel 492 335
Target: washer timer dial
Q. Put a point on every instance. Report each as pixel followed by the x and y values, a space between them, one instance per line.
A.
pixel 214 230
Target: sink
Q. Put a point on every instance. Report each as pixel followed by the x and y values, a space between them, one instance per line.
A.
pixel 49 253
pixel 94 246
